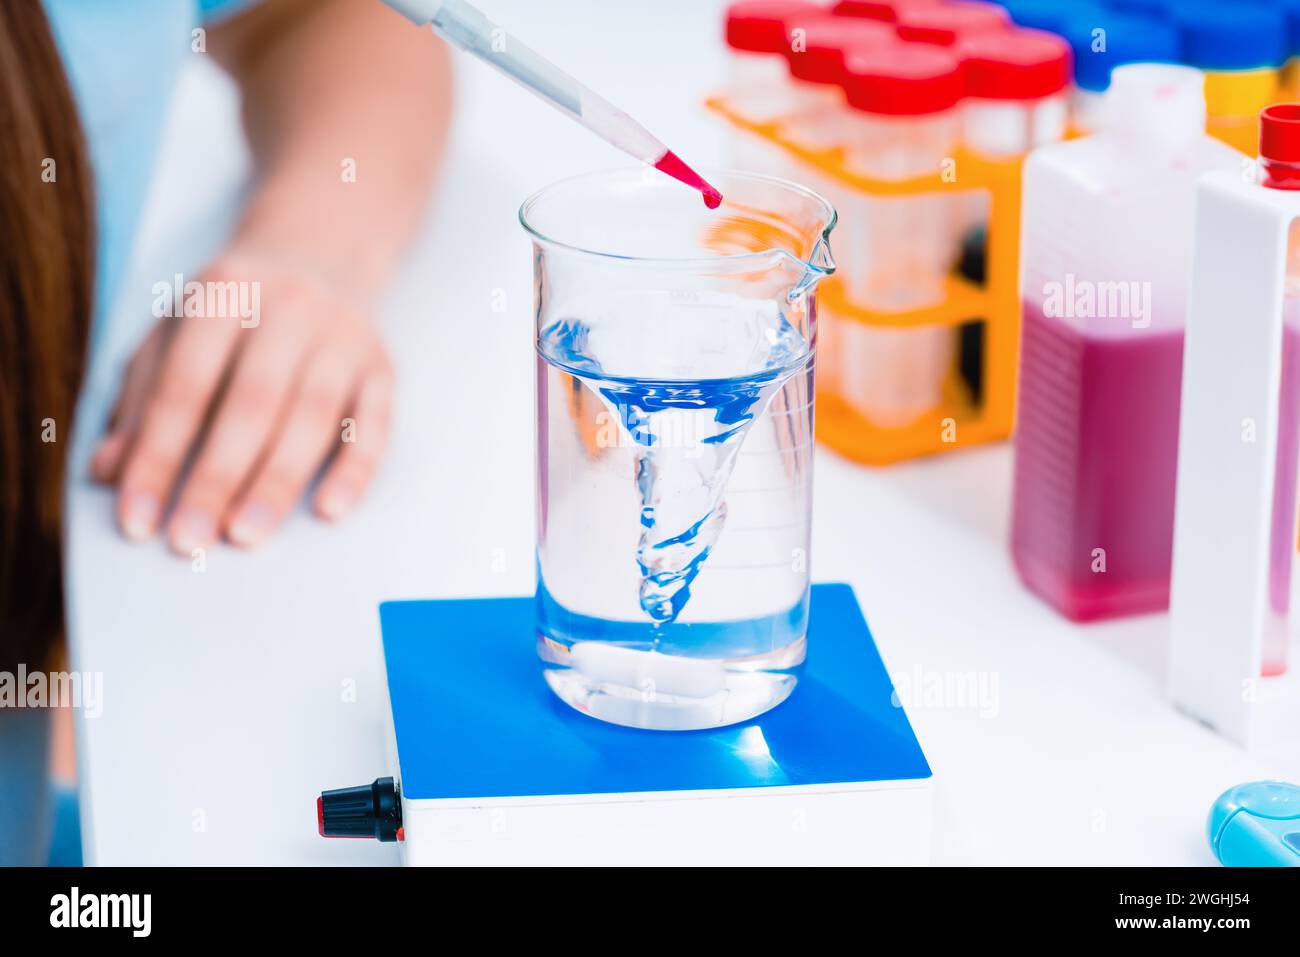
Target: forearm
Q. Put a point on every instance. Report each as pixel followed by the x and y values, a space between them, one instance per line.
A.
pixel 346 107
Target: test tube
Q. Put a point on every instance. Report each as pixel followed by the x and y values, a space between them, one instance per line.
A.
pixel 1017 91
pixel 1241 48
pixel 817 64
pixel 1103 40
pixel 759 90
pixel 897 251
pixel 1017 98
pixel 758 35
pixel 817 73
pixel 821 67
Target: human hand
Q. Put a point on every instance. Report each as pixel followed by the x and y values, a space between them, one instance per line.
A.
pixel 255 405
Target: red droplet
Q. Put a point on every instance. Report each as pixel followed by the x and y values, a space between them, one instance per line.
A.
pixel 672 165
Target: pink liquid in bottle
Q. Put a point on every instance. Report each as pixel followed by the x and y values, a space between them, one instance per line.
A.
pixel 1096 450
pixel 1279 168
pixel 1096 460
pixel 1282 540
pixel 1101 379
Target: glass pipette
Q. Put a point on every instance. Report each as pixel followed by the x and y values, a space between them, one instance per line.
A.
pixel 468 28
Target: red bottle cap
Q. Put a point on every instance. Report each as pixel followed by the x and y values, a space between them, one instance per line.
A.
pixel 902 80
pixel 1279 146
pixel 879 9
pixel 820 56
pixel 1279 132
pixel 945 24
pixel 1015 65
pixel 762 26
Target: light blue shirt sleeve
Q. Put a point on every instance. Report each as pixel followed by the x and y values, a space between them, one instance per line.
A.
pixel 123 58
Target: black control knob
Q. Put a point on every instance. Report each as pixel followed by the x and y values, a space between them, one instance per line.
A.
pixel 368 810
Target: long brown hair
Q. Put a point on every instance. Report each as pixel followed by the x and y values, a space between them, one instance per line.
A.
pixel 46 293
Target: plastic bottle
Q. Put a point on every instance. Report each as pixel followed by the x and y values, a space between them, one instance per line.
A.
pixel 1106 249
pixel 1241 48
pixel 1290 78
pixel 1103 40
pixel 1279 168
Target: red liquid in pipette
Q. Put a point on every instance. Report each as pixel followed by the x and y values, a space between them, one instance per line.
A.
pixel 670 163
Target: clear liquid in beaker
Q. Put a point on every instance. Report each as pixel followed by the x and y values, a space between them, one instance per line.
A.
pixel 673 539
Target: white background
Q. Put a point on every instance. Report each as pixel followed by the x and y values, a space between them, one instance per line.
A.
pixel 226 693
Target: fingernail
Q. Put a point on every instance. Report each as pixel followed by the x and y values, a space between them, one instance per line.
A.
pixel 334 503
pixel 192 528
pixel 251 524
pixel 139 516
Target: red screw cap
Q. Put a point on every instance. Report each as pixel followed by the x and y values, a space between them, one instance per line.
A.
pixel 820 56
pixel 1015 65
pixel 945 24
pixel 903 80
pixel 1279 146
pixel 762 26
pixel 887 10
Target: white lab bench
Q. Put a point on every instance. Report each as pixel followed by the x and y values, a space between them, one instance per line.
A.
pixel 234 694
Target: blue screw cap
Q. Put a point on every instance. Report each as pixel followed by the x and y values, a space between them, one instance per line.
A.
pixel 1051 15
pixel 1103 40
pixel 1238 36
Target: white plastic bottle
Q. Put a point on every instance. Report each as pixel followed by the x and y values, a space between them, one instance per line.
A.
pixel 1279 168
pixel 1105 261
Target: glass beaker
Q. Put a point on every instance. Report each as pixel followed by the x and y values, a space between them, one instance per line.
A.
pixel 675 351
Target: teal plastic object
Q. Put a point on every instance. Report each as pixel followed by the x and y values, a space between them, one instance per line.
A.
pixel 1256 825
